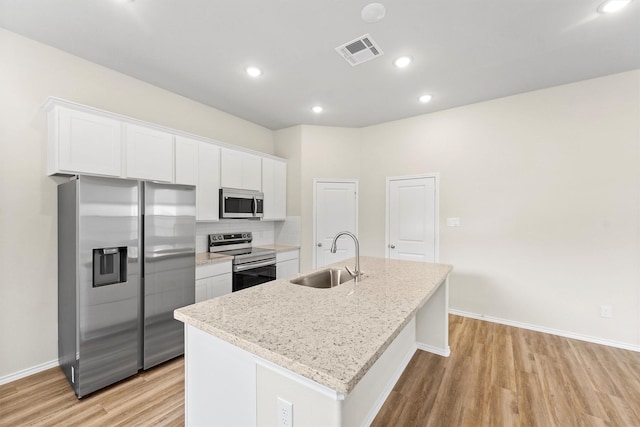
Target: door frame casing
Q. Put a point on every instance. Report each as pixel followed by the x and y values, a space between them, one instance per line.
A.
pixel 317 181
pixel 436 176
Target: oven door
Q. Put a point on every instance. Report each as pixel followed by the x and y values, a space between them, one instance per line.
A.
pixel 246 276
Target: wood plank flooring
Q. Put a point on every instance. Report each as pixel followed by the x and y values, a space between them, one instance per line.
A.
pixel 496 376
pixel 153 397
pixel 503 376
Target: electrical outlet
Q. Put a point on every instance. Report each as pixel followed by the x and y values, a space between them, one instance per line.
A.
pixel 606 311
pixel 285 413
pixel 453 222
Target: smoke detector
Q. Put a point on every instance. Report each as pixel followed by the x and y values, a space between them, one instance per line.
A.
pixel 360 50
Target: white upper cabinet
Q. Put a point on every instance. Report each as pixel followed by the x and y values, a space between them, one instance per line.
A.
pixel 149 153
pixel 85 140
pixel 240 170
pixel 186 161
pixel 274 187
pixel 251 172
pixel 81 142
pixel 230 168
pixel 208 186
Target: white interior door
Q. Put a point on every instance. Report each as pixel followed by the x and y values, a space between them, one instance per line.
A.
pixel 336 209
pixel 412 218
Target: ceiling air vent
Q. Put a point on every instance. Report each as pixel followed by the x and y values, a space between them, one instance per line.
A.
pixel 360 50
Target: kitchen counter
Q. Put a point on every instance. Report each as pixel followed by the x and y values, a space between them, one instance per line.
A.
pixel 333 354
pixel 203 258
pixel 331 336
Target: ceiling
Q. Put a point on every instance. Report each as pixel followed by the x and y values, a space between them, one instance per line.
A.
pixel 464 51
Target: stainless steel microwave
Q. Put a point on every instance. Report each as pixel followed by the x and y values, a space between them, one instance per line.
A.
pixel 235 203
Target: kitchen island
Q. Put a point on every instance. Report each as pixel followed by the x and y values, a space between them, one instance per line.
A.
pixel 333 354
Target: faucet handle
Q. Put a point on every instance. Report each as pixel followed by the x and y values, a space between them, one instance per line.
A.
pixel 356 275
pixel 351 272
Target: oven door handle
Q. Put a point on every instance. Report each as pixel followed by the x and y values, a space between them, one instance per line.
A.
pixel 245 267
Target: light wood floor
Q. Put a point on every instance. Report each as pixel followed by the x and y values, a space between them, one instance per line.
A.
pixel 496 376
pixel 503 376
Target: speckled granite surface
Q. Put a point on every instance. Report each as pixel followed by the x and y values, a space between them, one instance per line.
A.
pixel 203 258
pixel 332 336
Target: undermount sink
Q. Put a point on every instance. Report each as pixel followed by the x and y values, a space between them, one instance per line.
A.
pixel 324 279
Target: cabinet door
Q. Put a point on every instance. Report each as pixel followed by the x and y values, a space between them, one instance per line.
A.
pixel 149 153
pixel 274 187
pixel 207 189
pixel 220 285
pixel 202 288
pixel 287 268
pixel 230 168
pixel 251 172
pixel 186 161
pixel 87 143
pixel 240 170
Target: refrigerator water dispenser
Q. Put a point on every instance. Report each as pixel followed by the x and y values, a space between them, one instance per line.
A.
pixel 109 266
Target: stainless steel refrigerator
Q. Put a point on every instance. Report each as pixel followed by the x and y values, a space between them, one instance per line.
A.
pixel 126 260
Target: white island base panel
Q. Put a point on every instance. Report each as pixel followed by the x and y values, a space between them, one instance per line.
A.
pixel 228 386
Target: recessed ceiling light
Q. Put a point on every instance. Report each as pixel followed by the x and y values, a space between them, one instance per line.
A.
pixel 253 71
pixel 612 6
pixel 425 98
pixel 373 12
pixel 317 109
pixel 402 62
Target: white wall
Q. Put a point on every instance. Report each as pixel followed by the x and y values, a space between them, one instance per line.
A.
pixel 29 73
pixel 547 187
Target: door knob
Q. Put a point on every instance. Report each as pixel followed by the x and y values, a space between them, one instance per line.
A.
pixel 392 246
pixel 319 245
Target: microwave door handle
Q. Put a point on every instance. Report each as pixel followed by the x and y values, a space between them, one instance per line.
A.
pixel 255 206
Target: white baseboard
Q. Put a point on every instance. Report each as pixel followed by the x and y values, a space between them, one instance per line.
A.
pixel 551 331
pixel 29 371
pixel 387 390
pixel 435 350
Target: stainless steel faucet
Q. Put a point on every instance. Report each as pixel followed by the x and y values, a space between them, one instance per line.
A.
pixel 334 246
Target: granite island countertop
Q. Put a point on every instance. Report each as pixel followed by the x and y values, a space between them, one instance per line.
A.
pixel 331 336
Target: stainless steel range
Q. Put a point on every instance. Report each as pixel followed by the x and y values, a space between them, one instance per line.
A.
pixel 251 266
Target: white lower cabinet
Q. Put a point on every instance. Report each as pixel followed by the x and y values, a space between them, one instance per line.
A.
pixel 287 264
pixel 213 280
